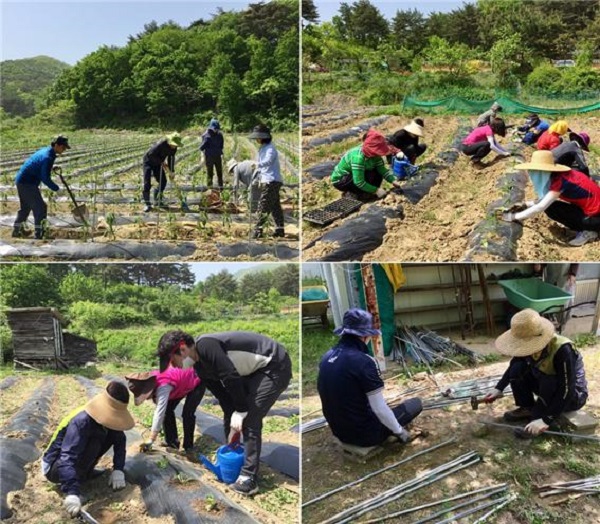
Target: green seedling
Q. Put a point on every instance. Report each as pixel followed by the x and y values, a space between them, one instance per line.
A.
pixel 182 478
pixel 163 463
pixel 210 503
pixel 110 221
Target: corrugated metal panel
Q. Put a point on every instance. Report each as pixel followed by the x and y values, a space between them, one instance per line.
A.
pixel 586 291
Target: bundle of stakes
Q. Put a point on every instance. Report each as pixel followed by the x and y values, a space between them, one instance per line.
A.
pixel 586 486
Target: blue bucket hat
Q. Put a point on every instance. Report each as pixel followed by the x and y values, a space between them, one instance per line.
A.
pixel 357 322
pixel 214 124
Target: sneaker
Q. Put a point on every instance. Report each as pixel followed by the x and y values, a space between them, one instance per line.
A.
pixel 173 445
pixel 258 233
pixel 245 485
pixel 147 208
pixel 518 414
pixel 583 237
pixel 477 164
pixel 279 232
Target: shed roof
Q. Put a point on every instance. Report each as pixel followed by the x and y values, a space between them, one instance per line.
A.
pixel 50 310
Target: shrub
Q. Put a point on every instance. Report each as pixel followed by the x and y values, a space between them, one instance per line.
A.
pixel 76 285
pixel 88 317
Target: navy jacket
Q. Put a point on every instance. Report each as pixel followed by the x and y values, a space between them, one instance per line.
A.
pixel 37 169
pixel 159 153
pixel 212 143
pixel 70 443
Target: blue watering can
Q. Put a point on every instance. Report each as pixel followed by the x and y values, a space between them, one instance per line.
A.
pixel 230 459
pixel 403 169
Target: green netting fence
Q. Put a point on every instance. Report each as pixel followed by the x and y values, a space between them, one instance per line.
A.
pixel 509 105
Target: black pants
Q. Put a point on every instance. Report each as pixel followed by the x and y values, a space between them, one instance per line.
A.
pixel 478 150
pixel 188 416
pixel 212 163
pixel 158 173
pixel 346 184
pixel 525 384
pixel 572 217
pixel 414 151
pixel 270 204
pixel 95 448
pixel 262 389
pixel 404 413
pixel 30 199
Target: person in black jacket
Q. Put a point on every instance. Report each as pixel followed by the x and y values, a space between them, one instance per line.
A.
pixel 544 365
pixel 246 372
pixel 159 158
pixel 407 140
pixel 83 437
pixel 212 146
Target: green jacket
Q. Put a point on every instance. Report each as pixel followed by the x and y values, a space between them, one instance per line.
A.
pixel 355 163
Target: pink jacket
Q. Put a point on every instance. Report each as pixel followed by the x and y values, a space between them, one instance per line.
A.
pixel 182 380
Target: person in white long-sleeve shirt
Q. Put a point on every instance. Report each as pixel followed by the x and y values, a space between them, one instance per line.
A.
pixel 351 389
pixel 270 178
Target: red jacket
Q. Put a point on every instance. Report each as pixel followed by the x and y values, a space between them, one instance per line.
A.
pixel 548 141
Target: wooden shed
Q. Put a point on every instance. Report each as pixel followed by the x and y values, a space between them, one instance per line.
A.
pixel 39 339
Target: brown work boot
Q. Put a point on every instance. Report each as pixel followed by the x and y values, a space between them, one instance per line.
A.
pixel 518 414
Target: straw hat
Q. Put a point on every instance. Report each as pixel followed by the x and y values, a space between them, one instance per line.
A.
pixel 543 161
pixel 529 333
pixel 174 139
pixel 109 412
pixel 231 165
pixel 414 129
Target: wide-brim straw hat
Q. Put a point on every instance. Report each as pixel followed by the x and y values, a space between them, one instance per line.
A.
pixel 543 161
pixel 231 165
pixel 529 333
pixel 414 129
pixel 174 139
pixel 109 412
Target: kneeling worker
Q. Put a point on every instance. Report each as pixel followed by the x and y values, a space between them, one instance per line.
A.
pixel 544 364
pixel 351 388
pixel 83 437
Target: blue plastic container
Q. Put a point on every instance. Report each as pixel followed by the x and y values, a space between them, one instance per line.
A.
pixel 228 465
pixel 403 169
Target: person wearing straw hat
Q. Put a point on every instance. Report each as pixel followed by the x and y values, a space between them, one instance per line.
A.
pixel 351 388
pixel 362 170
pixel 271 182
pixel 244 173
pixel 571 152
pixel 407 140
pixel 157 160
pixel 545 365
pixel 246 372
pixel 172 385
pixel 552 137
pixel 481 141
pixel 37 169
pixel 212 146
pixel 83 437
pixel 485 119
pixel 567 196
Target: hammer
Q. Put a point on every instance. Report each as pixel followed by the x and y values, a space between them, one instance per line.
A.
pixel 476 401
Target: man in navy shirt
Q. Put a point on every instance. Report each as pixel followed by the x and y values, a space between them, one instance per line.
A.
pixel 33 172
pixel 351 389
pixel 212 147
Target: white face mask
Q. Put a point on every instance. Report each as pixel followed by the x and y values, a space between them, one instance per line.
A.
pixel 188 362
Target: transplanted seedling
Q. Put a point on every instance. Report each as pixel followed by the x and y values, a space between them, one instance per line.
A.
pixel 210 503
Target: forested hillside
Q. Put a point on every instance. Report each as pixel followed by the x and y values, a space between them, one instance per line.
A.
pixel 24 83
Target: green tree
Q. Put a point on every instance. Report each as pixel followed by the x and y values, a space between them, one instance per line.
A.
pixel 441 54
pixel 409 30
pixel 222 286
pixel 28 285
pixel 508 58
pixel 309 11
pixel 231 99
pixel 285 280
pixel 363 23
pixel 75 286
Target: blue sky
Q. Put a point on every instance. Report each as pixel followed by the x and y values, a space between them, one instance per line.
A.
pixel 328 9
pixel 70 30
pixel 205 269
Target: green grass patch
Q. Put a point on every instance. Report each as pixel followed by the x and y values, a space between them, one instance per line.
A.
pixel 279 424
pixel 315 342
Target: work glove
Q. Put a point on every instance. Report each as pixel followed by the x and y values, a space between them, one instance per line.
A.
pixel 399 155
pixel 530 203
pixel 490 397
pixel 536 427
pixel 508 217
pixel 403 436
pixel 507 154
pixel 145 447
pixel 380 192
pixel 237 419
pixel 397 184
pixel 117 479
pixel 72 504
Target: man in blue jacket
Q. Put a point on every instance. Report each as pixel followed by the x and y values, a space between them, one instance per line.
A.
pixel 212 146
pixel 351 389
pixel 83 437
pixel 37 169
pixel 533 128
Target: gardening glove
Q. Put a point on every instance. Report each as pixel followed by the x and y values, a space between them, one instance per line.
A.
pixel 536 427
pixel 508 217
pixel 237 419
pixel 399 155
pixel 530 203
pixel 72 504
pixel 117 479
pixel 397 184
pixel 380 192
pixel 490 397
pixel 403 436
pixel 507 154
pixel 145 447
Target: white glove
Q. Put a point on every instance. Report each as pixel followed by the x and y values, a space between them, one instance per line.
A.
pixel 507 154
pixel 536 427
pixel 530 203
pixel 493 395
pixel 117 479
pixel 399 155
pixel 380 192
pixel 403 436
pixel 72 504
pixel 237 419
pixel 508 217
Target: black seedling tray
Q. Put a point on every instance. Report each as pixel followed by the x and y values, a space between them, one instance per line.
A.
pixel 333 211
